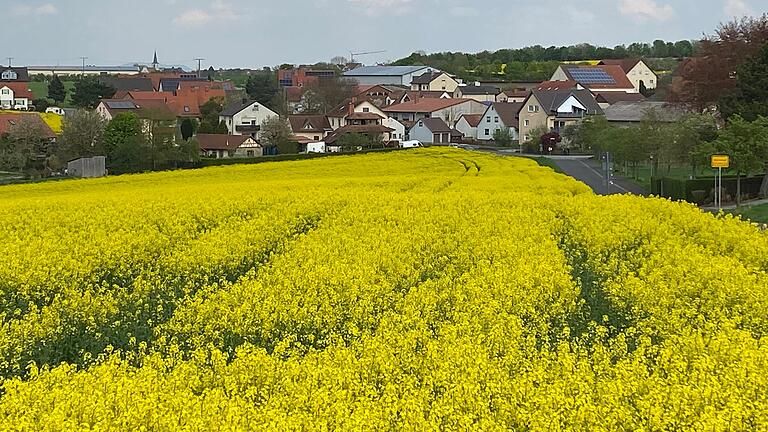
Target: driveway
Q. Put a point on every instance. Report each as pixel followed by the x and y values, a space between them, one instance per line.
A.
pixel 584 169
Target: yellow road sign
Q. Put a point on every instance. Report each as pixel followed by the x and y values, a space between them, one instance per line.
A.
pixel 720 161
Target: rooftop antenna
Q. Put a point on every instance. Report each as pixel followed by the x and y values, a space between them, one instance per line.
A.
pixel 9 61
pixel 199 64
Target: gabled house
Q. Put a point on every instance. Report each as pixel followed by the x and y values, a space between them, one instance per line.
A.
pixel 447 109
pixel 500 115
pixel 14 74
pixel 434 81
pixel 359 108
pixel 222 146
pixel 558 85
pixel 245 117
pixel 478 92
pixel 642 77
pixel 602 78
pixel 430 130
pixel 398 128
pixel 9 120
pixel 309 128
pixel 467 125
pixel 554 110
pixel 15 95
pixel 149 109
pixel 518 95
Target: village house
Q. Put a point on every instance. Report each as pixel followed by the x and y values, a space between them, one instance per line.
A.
pixel 478 92
pixel 309 128
pixel 145 109
pixel 434 81
pixel 467 125
pixel 603 78
pixel 449 110
pixel 9 120
pixel 606 99
pixel 14 74
pixel 15 95
pixel 359 109
pixel 397 75
pixel 642 77
pixel 221 146
pixel 432 130
pixel 500 115
pixel 517 95
pixel 554 110
pixel 245 117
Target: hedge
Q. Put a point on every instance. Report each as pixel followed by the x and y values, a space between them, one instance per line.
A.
pixel 701 190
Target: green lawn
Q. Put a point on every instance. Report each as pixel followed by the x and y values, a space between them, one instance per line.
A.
pixel 758 213
pixel 40 89
pixel 547 162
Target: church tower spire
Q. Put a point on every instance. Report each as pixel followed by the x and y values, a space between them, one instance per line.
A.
pixel 154 61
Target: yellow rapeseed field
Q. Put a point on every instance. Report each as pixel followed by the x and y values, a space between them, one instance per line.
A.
pixel 426 290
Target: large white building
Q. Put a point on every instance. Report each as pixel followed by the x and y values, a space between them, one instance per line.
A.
pixel 397 75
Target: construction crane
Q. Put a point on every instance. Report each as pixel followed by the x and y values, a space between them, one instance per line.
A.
pixel 352 55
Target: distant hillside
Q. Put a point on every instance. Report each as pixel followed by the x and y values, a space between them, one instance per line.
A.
pixel 537 63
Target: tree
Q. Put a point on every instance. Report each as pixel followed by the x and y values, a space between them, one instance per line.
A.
pixel 30 139
pixel 13 155
pixel 328 93
pixel 502 137
pixel 56 90
pixel 549 141
pixel 188 128
pixel 209 113
pixel 125 144
pixel 747 145
pixel 750 98
pixel 82 135
pixel 339 60
pixel 41 104
pixel 706 79
pixel 262 87
pixel 584 135
pixel 276 133
pixel 89 91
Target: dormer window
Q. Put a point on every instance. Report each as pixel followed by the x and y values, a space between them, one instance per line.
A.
pixel 186 109
pixel 9 74
pixel 365 110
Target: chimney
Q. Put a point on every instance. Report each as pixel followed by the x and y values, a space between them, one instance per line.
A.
pixel 245 101
pixel 350 108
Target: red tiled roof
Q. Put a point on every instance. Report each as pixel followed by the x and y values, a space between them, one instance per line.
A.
pixel 144 95
pixel 625 64
pixel 294 94
pixel 220 141
pixel 425 105
pixel 318 123
pixel 516 93
pixel 472 119
pixel 184 105
pixel 557 85
pixel 20 89
pixel 613 97
pixel 9 120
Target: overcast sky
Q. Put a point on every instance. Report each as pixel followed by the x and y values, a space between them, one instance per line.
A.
pixel 256 33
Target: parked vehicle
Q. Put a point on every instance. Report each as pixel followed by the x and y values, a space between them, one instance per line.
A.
pixel 411 144
pixel 316 147
pixel 55 110
pixel 20 107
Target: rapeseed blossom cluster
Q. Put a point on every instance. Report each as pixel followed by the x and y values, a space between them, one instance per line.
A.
pixel 427 290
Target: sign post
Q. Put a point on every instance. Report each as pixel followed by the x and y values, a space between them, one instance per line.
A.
pixel 719 162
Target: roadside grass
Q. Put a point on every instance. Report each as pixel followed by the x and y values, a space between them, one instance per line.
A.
pixel 547 162
pixel 758 213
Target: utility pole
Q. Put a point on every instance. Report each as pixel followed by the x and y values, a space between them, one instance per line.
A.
pixel 199 64
pixel 83 59
pixel 9 61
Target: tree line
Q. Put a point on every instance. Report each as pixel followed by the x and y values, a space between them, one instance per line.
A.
pixel 537 63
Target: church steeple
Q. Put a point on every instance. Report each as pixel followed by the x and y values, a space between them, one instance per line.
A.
pixel 154 61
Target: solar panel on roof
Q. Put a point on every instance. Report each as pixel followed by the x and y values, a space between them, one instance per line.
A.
pixel 121 104
pixel 591 76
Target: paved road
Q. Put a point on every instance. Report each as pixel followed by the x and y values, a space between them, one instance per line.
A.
pixel 587 171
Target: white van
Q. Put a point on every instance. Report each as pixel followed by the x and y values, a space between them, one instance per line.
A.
pixel 55 110
pixel 316 147
pixel 410 144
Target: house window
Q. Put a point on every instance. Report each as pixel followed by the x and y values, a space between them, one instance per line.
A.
pixel 526 137
pixel 652 82
pixel 487 132
pixel 366 110
pixel 256 107
pixel 527 123
pixel 6 91
pixel 533 108
pixel 496 119
pixel 421 124
pixel 186 109
pixel 488 119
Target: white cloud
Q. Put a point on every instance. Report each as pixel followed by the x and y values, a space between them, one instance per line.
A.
pixel 643 10
pixel 737 8
pixel 42 9
pixel 219 11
